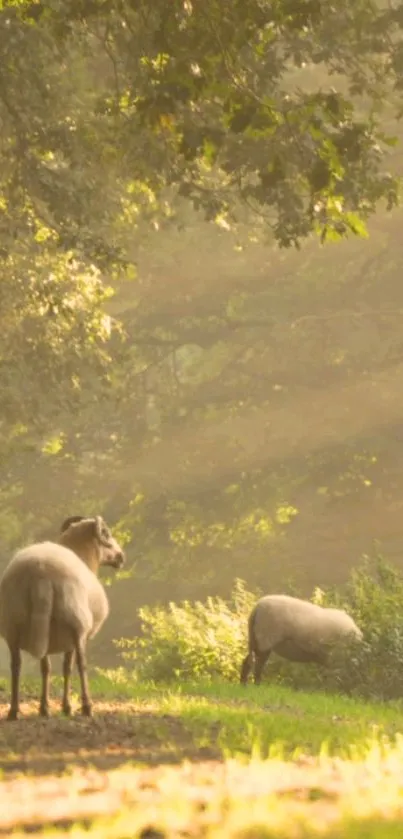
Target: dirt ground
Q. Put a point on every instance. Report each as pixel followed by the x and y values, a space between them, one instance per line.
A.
pixel 59 774
pixel 132 771
pixel 69 769
pixel 120 732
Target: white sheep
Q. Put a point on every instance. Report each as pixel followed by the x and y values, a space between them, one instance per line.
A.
pixel 294 629
pixel 52 602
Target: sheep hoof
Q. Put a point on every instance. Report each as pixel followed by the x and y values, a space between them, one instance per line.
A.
pixel 12 715
pixel 86 711
pixel 44 711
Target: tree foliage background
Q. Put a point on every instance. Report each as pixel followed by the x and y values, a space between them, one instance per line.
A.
pixel 178 350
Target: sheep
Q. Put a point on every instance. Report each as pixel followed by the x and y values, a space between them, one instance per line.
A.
pixel 52 602
pixel 294 629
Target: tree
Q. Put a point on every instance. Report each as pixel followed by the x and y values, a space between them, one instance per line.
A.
pixel 205 97
pixel 116 116
pixel 104 99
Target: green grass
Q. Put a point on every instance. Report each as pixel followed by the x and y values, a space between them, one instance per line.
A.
pixel 269 718
pixel 205 760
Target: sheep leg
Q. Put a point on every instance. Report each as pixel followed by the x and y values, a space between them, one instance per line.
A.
pixel 86 707
pixel 15 655
pixel 68 664
pixel 246 668
pixel 260 661
pixel 45 673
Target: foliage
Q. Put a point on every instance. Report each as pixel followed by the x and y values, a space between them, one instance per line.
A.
pixel 209 640
pixel 122 101
pixel 191 640
pixel 374 596
pixel 226 403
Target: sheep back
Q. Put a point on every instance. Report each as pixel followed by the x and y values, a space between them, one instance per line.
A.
pixel 297 629
pixel 48 596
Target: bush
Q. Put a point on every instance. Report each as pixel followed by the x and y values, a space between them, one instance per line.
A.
pixel 192 640
pixel 208 640
pixel 373 596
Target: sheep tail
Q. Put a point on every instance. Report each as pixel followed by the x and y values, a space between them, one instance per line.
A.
pixel 252 645
pixel 40 616
pixel 252 649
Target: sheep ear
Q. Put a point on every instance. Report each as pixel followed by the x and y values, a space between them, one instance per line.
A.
pixel 70 520
pixel 101 531
pixel 98 527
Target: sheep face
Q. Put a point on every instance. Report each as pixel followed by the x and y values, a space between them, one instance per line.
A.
pixel 97 531
pixel 110 551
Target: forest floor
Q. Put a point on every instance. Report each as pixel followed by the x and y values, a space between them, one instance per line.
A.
pixel 202 760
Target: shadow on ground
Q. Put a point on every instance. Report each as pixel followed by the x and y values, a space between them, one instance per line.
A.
pixel 120 732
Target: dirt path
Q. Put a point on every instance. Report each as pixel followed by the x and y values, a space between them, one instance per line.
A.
pixel 229 798
pixel 59 771
pixel 160 801
pixel 120 732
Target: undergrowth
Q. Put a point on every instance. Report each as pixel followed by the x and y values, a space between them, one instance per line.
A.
pixel 206 640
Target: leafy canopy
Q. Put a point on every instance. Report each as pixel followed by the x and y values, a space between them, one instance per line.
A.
pixel 114 116
pixel 205 98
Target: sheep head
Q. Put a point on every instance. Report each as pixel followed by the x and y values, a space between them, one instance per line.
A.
pixel 83 534
pixel 112 552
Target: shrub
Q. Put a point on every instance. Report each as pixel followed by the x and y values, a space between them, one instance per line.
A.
pixel 192 640
pixel 208 640
pixel 373 596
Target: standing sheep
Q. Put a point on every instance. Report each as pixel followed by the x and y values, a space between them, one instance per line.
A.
pixel 52 602
pixel 294 629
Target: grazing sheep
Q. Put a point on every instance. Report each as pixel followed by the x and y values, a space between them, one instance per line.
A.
pixel 52 602
pixel 294 629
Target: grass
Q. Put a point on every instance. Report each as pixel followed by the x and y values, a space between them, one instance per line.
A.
pixel 203 760
pixel 240 719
